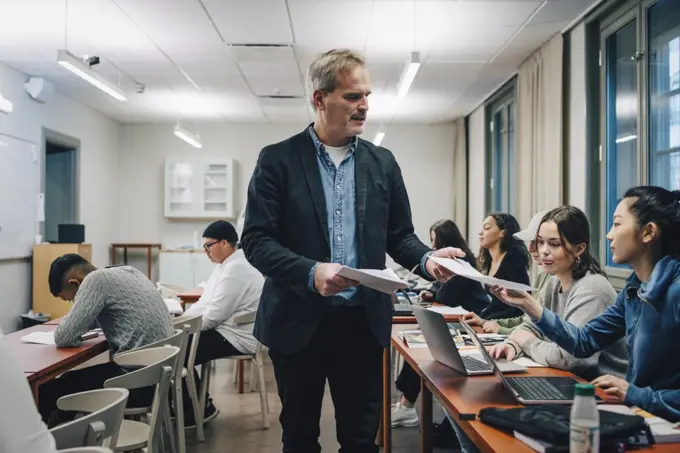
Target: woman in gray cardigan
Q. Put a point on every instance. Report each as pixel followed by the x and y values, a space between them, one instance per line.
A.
pixel 577 292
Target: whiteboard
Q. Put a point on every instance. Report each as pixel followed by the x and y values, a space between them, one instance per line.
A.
pixel 19 191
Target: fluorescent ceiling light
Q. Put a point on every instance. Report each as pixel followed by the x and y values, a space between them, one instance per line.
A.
pixel 378 138
pixel 626 138
pixel 192 139
pixel 83 70
pixel 410 71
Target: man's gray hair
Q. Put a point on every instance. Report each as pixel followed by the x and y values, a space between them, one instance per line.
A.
pixel 324 69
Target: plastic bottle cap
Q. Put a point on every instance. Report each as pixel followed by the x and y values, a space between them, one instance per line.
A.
pixel 584 389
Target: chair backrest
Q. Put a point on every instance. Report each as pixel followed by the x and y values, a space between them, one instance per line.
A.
pixel 179 339
pixel 191 325
pixel 105 408
pixel 86 450
pixel 158 365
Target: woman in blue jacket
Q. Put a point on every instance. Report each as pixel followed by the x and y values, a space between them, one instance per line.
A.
pixel 646 236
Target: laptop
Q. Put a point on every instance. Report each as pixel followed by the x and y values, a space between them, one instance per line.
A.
pixel 443 348
pixel 530 390
pixel 403 309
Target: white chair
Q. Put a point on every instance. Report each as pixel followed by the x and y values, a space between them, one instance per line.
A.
pixel 86 450
pixel 158 364
pixel 256 362
pixel 192 325
pixel 179 339
pixel 104 408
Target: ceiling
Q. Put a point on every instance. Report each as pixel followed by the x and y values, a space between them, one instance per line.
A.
pixel 191 56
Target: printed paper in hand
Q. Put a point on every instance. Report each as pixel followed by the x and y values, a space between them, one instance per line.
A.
pixel 464 269
pixel 385 280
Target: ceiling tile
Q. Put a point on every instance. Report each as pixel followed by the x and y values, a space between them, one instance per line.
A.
pixel 330 24
pixel 249 21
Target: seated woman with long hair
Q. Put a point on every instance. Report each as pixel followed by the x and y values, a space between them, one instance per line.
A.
pixel 578 292
pixel 645 235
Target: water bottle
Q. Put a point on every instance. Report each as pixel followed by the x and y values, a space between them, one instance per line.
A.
pixel 584 421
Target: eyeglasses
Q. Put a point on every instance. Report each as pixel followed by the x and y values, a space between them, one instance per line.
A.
pixel 210 244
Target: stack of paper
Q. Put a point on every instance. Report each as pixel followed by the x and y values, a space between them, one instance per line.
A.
pixel 662 430
pixel 39 338
pixel 444 310
pixel 385 280
pixel 464 269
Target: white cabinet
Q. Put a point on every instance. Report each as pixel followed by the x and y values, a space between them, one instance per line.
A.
pixel 187 268
pixel 199 187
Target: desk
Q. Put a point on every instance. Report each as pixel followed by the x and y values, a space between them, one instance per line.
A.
pixel 41 363
pixel 190 296
pixel 463 397
pixel 125 247
pixel 385 427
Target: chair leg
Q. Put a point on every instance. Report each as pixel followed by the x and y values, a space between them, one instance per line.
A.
pixel 240 376
pixel 199 412
pixel 253 379
pixel 178 396
pixel 264 399
pixel 235 372
pixel 206 371
pixel 167 421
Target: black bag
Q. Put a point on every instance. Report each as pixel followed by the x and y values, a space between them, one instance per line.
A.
pixel 550 423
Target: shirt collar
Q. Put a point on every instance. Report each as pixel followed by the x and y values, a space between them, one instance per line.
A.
pixel 321 149
pixel 233 257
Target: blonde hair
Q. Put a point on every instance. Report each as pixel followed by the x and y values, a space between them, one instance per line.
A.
pixel 324 69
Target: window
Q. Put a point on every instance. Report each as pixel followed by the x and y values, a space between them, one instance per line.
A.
pixel 639 60
pixel 501 152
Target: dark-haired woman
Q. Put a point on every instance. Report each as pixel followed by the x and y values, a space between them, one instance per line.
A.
pixel 502 256
pixel 646 236
pixel 578 291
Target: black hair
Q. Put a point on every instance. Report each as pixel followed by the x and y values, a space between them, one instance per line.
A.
pixel 574 228
pixel 657 205
pixel 447 234
pixel 222 230
pixel 508 223
pixel 60 268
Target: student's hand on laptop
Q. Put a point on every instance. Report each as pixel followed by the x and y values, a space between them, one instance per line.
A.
pixel 490 327
pixel 612 385
pixel 473 319
pixel 503 350
pixel 519 299
pixel 327 282
pixel 439 272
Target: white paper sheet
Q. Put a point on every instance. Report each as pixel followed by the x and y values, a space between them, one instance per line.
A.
pixel 444 310
pixel 39 338
pixel 528 363
pixel 464 269
pixel 385 280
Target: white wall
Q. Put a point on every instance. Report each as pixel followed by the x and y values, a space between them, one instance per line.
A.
pixel 425 154
pixel 476 178
pixel 98 161
pixel 577 118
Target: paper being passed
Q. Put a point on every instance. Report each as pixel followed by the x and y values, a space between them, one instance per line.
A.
pixel 464 269
pixel 385 280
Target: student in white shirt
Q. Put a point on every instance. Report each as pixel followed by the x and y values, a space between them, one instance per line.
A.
pixel 232 290
pixel 21 428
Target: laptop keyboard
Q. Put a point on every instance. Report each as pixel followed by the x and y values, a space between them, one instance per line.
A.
pixel 475 365
pixel 403 308
pixel 535 388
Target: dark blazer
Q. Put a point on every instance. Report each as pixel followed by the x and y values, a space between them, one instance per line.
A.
pixel 285 233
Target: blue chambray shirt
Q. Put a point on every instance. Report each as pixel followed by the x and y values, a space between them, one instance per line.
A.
pixel 339 192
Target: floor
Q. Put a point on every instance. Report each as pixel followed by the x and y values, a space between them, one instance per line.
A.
pixel 238 427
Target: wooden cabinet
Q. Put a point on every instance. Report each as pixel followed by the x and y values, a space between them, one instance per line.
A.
pixel 43 256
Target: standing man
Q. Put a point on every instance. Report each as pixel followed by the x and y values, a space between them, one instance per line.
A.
pixel 316 201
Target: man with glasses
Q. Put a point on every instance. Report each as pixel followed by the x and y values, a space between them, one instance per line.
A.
pixel 232 290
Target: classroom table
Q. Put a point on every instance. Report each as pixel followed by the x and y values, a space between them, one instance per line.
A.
pixel 463 397
pixel 190 296
pixel 125 246
pixel 42 363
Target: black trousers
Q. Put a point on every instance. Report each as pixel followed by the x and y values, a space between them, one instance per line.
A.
pixel 91 378
pixel 211 345
pixel 408 383
pixel 343 351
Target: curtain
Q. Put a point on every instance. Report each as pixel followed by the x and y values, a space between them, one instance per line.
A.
pixel 460 175
pixel 539 131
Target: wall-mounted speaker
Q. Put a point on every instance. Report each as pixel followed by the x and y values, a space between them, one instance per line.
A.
pixel 39 89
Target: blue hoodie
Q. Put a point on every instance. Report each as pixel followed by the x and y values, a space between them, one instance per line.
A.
pixel 648 315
